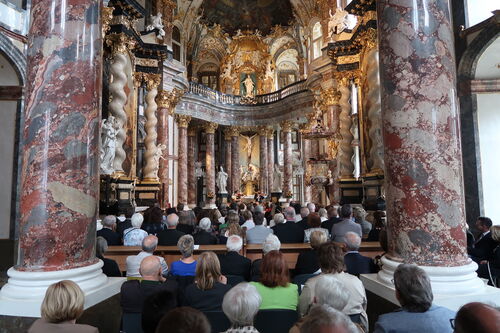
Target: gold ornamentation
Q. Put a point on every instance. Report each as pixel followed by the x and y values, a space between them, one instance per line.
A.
pixel 326 98
pixel 137 79
pixel 269 131
pixel 332 148
pixel 182 120
pixel 286 125
pixel 146 62
pixel 192 131
pixel 119 43
pixel 350 59
pixel 169 99
pixel 107 16
pixel 152 80
pixel 368 38
pixel 344 78
pixel 210 127
pixel 233 131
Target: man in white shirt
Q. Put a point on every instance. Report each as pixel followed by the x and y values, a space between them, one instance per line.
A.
pixel 149 245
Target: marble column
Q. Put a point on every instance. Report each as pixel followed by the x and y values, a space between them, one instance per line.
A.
pixel 210 129
pixel 263 160
pixel 345 152
pixel 422 152
pixel 228 150
pixel 307 155
pixel 60 162
pixel 191 167
pixel 270 159
pixel 235 160
pixel 182 174
pixel 150 171
pixel 286 128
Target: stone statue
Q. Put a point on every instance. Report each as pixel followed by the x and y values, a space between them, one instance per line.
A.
pixel 248 83
pixel 248 146
pixel 221 180
pixel 157 156
pixel 156 23
pixel 277 179
pixel 108 145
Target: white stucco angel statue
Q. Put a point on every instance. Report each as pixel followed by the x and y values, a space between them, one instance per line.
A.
pixel 157 156
pixel 337 22
pixel 156 23
pixel 108 145
pixel 277 179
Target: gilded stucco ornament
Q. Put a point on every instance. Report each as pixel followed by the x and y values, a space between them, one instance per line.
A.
pixel 182 120
pixel 169 99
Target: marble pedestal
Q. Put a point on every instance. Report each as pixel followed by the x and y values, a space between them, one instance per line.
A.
pixel 222 198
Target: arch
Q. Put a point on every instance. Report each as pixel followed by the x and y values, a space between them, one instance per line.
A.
pixel 15 57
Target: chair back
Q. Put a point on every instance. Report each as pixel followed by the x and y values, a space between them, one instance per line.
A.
pixel 131 322
pixel 275 321
pixel 218 321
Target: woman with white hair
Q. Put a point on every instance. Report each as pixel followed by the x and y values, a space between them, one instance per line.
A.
pixel 204 235
pixel 134 236
pixel 240 305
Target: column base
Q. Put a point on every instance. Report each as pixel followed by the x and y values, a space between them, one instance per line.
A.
pixel 24 291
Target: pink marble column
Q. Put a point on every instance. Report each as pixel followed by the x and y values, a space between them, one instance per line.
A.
pixel 227 166
pixel 162 114
pixel 182 174
pixel 270 159
pixel 263 162
pixel 210 162
pixel 286 128
pixel 191 184
pixel 60 174
pixel 307 155
pixel 424 193
pixel 235 160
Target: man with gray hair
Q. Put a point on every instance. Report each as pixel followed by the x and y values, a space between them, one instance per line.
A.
pixel 288 232
pixel 325 319
pixel 304 213
pixel 356 263
pixel 233 263
pixel 417 314
pixel 271 243
pixel 149 245
pixel 240 305
pixel 347 224
pixel 170 235
pixel 108 231
pixel 204 236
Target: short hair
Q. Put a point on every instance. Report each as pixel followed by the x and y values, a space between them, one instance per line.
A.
pixel 101 246
pixel 312 207
pixel 187 217
pixel 205 224
pixel 172 220
pixel 241 303
pixel 247 215
pixel 136 220
pixel 279 218
pixel 359 213
pixel 109 221
pixel 304 211
pixel 149 243
pixel 183 320
pixel 289 213
pixel 180 207
pixel 331 258
pixel 274 270
pixel 322 212
pixel 317 238
pixel 346 211
pixel 352 241
pixel 232 217
pixel 271 243
pixel 186 245
pixel 322 315
pixel 332 212
pixel 207 270
pixel 234 243
pixel 63 301
pixel 258 218
pixel 313 220
pixel 413 287
pixel 486 221
pixel 330 291
pixel 154 308
pixel 150 266
pixel 258 209
pixel 477 317
pixel 241 206
pixel 495 233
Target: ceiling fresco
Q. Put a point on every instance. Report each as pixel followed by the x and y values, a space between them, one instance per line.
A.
pixel 247 14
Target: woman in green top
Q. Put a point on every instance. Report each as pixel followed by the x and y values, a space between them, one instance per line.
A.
pixel 274 287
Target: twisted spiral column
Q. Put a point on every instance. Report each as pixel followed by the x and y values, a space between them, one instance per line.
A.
pixel 150 171
pixel 345 147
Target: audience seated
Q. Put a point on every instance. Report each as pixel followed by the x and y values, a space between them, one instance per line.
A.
pixel 186 266
pixel 134 236
pixel 233 263
pixel 304 213
pixel 289 231
pixel 258 234
pixel 484 245
pixel 414 293
pixel 110 267
pixel 331 261
pixel 359 214
pixel 323 215
pixel 149 245
pixel 249 223
pixel 356 263
pixel 271 243
pixel 339 229
pixel 240 305
pixel 61 306
pixel 314 224
pixel 155 306
pixel 125 224
pixel 378 225
pixel 307 261
pixel 187 222
pixel 108 231
pixel 153 220
pixel 274 287
pixel 183 320
pixel 208 291
pixel 332 219
pixel 169 236
pixel 493 264
pixel 323 319
pixel 477 317
pixel 204 234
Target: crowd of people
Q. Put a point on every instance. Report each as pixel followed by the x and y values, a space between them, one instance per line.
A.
pixel 323 293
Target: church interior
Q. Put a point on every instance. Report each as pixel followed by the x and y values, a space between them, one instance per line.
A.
pixel 117 106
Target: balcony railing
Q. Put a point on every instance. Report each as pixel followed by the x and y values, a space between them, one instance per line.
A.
pixel 218 97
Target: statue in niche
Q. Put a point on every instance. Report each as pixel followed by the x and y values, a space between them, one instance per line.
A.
pixel 221 180
pixel 277 179
pixel 157 156
pixel 248 146
pixel 249 86
pixel 108 145
pixel 156 23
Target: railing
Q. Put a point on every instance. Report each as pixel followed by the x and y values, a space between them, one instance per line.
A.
pixel 217 96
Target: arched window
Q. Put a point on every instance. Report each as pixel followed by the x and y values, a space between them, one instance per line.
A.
pixel 317 40
pixel 176 43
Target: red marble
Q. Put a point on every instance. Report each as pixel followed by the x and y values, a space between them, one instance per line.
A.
pixel 210 166
pixel 270 164
pixel 235 164
pixel 163 133
pixel 227 167
pixel 182 174
pixel 424 185
pixel 191 199
pixel 263 162
pixel 60 174
pixel 287 161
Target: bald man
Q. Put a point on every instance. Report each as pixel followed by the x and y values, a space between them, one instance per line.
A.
pixel 149 244
pixel 477 317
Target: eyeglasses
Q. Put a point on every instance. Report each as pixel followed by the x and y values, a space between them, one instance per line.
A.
pixel 452 323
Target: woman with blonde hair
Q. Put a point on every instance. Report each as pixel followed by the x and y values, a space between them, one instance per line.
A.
pixel 61 307
pixel 209 288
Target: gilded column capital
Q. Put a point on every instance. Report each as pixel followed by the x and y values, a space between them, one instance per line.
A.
pixel 152 80
pixel 228 133
pixel 286 126
pixel 107 16
pixel 192 131
pixel 210 127
pixel 182 120
pixel 269 132
pixel 119 43
pixel 330 96
pixel 169 99
pixel 137 78
pixel 344 78
pixel 233 130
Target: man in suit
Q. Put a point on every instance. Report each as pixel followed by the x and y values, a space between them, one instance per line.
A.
pixel 333 218
pixel 232 263
pixel 304 213
pixel 288 232
pixel 484 246
pixel 149 244
pixel 356 263
pixel 108 233
pixel 170 235
pixel 204 235
pixel 258 234
pixel 123 225
pixel 346 225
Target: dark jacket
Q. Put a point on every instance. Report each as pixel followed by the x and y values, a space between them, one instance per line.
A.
pixel 110 267
pixel 307 263
pixel 122 226
pixel 328 224
pixel 169 237
pixel 205 300
pixel 289 232
pixel 232 263
pixel 185 228
pixel 256 270
pixel 303 223
pixel 357 264
pixel 113 238
pixel 153 228
pixel 134 292
pixel 483 248
pixel 203 237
